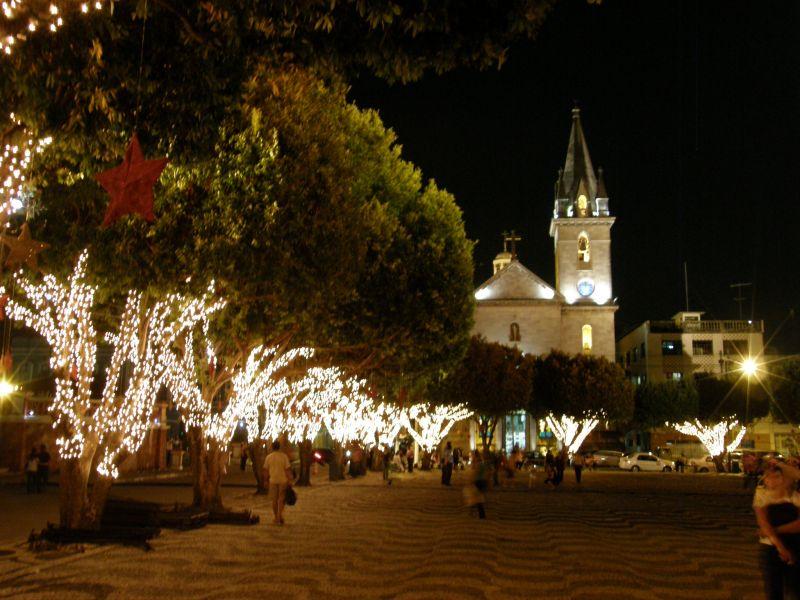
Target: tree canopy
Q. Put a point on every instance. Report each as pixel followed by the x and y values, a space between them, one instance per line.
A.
pixel 580 384
pixel 86 82
pixel 492 380
pixel 311 224
pixel 664 402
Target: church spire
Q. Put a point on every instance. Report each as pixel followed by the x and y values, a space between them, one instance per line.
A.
pixel 578 163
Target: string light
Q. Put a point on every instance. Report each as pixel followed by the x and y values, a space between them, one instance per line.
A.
pixel 51 20
pixel 571 432
pixel 713 436
pixel 432 424
pixel 15 159
pixel 62 315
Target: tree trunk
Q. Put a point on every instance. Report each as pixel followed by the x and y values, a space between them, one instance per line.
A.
pixel 258 452
pixel 335 471
pixel 426 460
pixel 73 492
pixel 207 465
pixel 305 463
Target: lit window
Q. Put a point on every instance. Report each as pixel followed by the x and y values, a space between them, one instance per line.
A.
pixel 582 206
pixel 586 332
pixel 583 248
pixel 514 333
pixel 671 348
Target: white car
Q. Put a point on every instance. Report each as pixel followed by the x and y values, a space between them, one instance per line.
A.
pixel 644 461
pixel 704 464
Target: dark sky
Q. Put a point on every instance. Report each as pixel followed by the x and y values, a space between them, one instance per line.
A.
pixel 691 108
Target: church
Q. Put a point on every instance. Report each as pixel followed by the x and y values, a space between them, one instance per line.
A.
pixel 518 308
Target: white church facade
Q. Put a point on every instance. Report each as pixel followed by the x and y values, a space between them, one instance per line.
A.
pixel 518 308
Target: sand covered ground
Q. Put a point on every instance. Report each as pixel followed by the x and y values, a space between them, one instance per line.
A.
pixel 618 535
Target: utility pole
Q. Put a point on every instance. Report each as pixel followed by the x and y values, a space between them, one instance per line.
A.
pixel 739 298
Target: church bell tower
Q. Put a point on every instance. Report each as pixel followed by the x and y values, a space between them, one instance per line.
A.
pixel 581 232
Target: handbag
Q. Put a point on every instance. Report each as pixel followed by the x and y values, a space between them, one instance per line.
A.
pixel 291 496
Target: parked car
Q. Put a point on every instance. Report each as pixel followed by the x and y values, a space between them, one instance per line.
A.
pixel 703 464
pixel 645 461
pixel 606 458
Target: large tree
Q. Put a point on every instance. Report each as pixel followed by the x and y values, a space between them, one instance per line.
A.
pixel 656 404
pixel 315 230
pixel 491 380
pixel 574 392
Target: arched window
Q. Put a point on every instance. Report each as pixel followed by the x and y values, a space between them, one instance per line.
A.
pixel 513 335
pixel 583 248
pixel 586 334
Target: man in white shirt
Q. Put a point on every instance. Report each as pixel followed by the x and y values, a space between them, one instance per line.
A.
pixel 278 476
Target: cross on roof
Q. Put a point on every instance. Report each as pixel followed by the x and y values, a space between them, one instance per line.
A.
pixel 512 237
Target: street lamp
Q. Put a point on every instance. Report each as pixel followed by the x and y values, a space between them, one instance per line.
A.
pixel 749 366
pixel 6 388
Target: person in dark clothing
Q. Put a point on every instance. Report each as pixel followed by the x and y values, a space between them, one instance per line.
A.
pixel 410 459
pixel 549 467
pixel 44 467
pixel 32 472
pixel 243 458
pixel 388 455
pixel 578 462
pixel 561 464
pixel 447 464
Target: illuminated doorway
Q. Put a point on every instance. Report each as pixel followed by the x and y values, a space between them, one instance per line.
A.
pixel 515 430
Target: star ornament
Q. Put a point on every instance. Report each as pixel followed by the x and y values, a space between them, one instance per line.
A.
pixel 22 249
pixel 130 185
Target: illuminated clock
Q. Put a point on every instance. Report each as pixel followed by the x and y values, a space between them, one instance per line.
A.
pixel 585 287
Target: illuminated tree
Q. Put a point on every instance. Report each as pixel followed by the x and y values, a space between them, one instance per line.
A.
pixel 429 425
pixel 713 436
pixel 491 380
pixel 101 431
pixel 573 392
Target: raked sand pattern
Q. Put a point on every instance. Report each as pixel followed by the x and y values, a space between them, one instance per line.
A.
pixel 618 536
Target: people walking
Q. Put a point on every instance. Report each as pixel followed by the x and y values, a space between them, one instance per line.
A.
pixel 243 457
pixel 578 462
pixel 410 459
pixel 447 464
pixel 43 468
pixel 387 465
pixel 475 490
pixel 777 507
pixel 549 467
pixel 277 476
pixel 32 472
pixel 560 466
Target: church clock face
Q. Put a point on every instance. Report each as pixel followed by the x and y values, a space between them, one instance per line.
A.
pixel 585 287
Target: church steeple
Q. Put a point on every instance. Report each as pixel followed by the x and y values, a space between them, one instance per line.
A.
pixel 577 182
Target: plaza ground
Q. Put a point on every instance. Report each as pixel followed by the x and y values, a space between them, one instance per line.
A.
pixel 618 535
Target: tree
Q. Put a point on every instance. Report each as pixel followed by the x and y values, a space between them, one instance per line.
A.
pixel 491 381
pixel 656 404
pixel 314 230
pixel 98 434
pixel 784 381
pixel 86 86
pixel 572 393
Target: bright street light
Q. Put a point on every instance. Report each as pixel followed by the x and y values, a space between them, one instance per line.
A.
pixel 6 388
pixel 749 366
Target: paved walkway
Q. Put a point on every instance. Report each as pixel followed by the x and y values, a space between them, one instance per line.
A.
pixel 619 535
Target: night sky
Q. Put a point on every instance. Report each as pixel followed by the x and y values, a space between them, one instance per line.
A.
pixel 693 111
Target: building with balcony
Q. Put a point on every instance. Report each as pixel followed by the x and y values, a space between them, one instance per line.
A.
pixel 686 345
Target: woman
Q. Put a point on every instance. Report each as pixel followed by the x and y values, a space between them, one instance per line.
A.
pixel 777 508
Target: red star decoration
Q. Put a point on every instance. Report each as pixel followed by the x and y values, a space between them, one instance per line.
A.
pixel 22 249
pixel 130 185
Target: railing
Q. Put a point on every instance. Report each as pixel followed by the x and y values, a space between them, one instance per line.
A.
pixel 707 326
